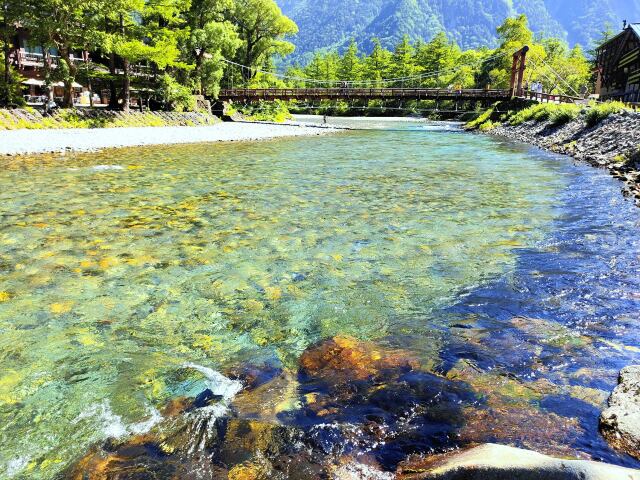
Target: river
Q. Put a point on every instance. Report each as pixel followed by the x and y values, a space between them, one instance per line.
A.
pixel 508 269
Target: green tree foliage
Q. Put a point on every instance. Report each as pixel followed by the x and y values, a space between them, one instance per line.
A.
pixel 262 28
pixel 440 63
pixel 210 38
pixel 403 62
pixel 513 34
pixel 350 66
pixel 146 33
pixel 176 48
pixel 377 66
pixel 438 59
pixel 68 26
pixel 10 13
pixel 141 41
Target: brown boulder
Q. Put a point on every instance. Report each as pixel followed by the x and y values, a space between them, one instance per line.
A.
pixel 344 359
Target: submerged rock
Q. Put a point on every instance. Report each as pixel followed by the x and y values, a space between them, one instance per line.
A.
pixel 343 359
pixel 544 432
pixel 620 423
pixel 362 397
pixel 499 462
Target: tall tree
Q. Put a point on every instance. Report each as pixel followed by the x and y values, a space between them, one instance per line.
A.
pixel 402 62
pixel 377 65
pixel 350 67
pixel 262 28
pixel 436 59
pixel 11 11
pixel 146 31
pixel 210 39
pixel 69 26
pixel 514 33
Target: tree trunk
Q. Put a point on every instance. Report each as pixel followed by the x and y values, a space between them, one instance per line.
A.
pixel 5 39
pixel 126 87
pixel 65 54
pixel 197 70
pixel 113 94
pixel 126 82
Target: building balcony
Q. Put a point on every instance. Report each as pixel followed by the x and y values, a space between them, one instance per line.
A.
pixel 22 59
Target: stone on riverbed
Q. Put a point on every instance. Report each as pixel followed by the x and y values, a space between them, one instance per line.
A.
pixel 347 359
pixel 620 423
pixel 499 462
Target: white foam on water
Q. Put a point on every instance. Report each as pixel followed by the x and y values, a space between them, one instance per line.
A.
pixel 203 423
pixel 360 471
pixel 16 465
pixel 217 383
pixel 113 426
pixel 102 168
pixel 441 127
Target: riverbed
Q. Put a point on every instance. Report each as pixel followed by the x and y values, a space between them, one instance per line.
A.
pixel 507 271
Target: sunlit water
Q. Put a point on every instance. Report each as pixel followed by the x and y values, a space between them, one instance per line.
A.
pixel 120 268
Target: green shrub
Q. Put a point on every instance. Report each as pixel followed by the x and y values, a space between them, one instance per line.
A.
pixel 596 113
pixel 556 114
pixel 266 111
pixel 481 119
pixel 564 113
pixel 488 125
pixel 539 113
pixel 176 96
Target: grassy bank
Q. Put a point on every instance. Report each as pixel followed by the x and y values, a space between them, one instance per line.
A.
pixel 605 134
pixel 556 115
pixel 31 119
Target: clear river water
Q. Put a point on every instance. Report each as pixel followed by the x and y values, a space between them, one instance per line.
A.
pixel 511 270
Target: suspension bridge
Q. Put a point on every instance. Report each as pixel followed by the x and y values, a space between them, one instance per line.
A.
pixel 346 90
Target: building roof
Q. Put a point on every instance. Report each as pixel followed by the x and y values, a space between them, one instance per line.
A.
pixel 635 27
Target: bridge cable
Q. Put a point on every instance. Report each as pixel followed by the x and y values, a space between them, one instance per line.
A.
pixel 562 92
pixel 557 75
pixel 365 82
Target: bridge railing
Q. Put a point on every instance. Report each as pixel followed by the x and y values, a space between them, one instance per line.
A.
pixel 346 93
pixel 551 98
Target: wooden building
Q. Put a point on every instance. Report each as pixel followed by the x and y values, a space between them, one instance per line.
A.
pixel 619 66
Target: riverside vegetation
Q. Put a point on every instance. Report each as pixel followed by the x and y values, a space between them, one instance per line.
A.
pixel 603 134
pixel 188 43
pixel 32 119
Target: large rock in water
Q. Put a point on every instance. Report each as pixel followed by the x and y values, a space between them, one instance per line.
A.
pixel 620 423
pixel 499 462
pixel 345 359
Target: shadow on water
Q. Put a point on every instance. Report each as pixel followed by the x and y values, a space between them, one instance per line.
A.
pixel 565 320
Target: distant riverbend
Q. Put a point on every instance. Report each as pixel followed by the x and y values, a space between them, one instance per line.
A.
pixel 311 305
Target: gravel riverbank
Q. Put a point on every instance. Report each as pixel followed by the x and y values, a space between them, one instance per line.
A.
pixel 613 144
pixel 24 142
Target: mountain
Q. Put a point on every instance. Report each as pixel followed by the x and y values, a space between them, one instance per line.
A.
pixel 471 23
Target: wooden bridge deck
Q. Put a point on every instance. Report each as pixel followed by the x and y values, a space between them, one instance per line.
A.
pixel 249 95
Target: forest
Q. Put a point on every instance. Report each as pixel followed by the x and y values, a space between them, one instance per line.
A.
pixel 197 47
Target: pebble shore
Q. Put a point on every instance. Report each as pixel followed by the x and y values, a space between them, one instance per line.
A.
pixel 26 142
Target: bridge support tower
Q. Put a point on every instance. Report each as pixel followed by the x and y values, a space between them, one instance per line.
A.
pixel 517 72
